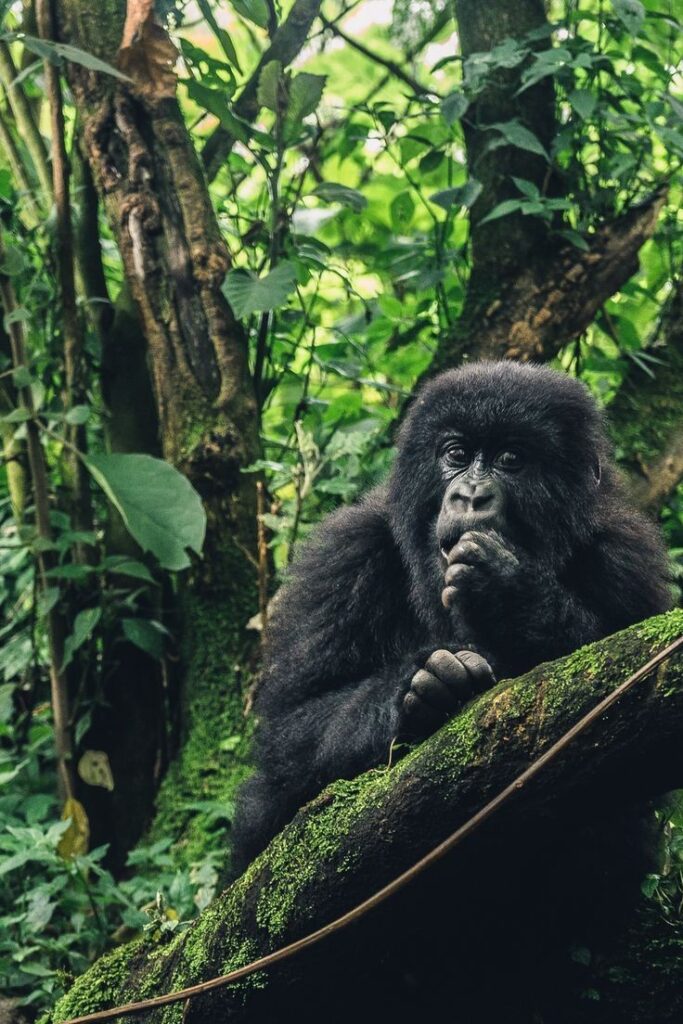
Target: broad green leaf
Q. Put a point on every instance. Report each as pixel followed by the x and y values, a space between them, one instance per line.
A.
pixel 305 91
pixel 121 565
pixel 269 85
pixel 401 211
pixel 465 195
pixel 527 188
pixel 78 415
pixel 517 135
pixel 84 625
pixel 253 10
pixel 158 505
pixel 630 13
pixel 331 192
pixel 502 210
pixel 583 101
pixel 21 377
pixel 248 294
pixel 145 634
pixel 454 106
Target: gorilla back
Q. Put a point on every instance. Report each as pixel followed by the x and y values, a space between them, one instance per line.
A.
pixel 502 539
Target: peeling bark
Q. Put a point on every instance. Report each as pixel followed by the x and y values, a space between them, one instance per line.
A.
pixel 488 914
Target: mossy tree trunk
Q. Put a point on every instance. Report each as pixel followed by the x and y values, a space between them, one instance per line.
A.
pixel 488 935
pixel 156 200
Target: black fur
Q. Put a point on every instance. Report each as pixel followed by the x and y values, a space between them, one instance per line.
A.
pixel 362 608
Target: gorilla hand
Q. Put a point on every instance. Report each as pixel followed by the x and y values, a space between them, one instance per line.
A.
pixel 480 558
pixel 438 690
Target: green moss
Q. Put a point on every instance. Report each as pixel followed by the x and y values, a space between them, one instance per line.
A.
pixel 214 756
pixel 100 987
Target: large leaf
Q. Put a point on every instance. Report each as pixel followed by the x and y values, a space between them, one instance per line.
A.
pixel 253 10
pixel 630 13
pixel 305 91
pixel 52 51
pixel 332 192
pixel 84 625
pixel 247 294
pixel 517 135
pixel 159 506
pixel 454 106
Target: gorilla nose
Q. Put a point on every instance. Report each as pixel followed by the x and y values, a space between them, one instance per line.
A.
pixel 479 498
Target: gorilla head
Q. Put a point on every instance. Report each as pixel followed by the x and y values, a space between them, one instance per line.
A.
pixel 509 449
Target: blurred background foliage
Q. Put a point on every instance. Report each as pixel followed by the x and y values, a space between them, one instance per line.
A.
pixel 344 202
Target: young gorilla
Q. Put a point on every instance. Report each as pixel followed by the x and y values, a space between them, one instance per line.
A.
pixel 501 540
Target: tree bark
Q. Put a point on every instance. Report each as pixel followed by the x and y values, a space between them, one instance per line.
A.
pixel 646 416
pixel 488 912
pixel 155 197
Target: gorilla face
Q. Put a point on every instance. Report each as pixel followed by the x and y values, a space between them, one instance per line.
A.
pixel 505 452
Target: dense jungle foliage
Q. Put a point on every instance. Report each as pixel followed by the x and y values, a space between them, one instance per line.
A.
pixel 343 172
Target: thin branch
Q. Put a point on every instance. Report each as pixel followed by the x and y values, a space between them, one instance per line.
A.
pixel 285 46
pixel 64 257
pixel 394 69
pixel 31 214
pixel 39 478
pixel 25 121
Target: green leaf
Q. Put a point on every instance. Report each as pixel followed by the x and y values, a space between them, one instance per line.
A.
pixel 630 13
pixel 248 294
pixel 145 634
pixel 517 135
pixel 253 10
pixel 220 33
pixel 54 51
pixel 158 505
pixel 584 102
pixel 304 96
pixel 527 188
pixel 16 416
pixel 401 211
pixel 268 91
pixel 13 262
pixel 465 195
pixel 331 192
pixel 454 106
pixel 84 625
pixel 124 566
pixel 78 415
pixel 502 210
pixel 21 377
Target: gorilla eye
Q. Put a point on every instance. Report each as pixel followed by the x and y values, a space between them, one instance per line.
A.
pixel 456 455
pixel 509 459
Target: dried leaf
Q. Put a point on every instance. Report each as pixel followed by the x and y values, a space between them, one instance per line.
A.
pixel 147 54
pixel 94 768
pixel 74 841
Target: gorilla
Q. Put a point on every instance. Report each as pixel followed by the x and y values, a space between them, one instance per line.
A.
pixel 502 539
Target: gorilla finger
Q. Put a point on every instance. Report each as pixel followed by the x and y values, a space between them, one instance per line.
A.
pixel 434 691
pixel 449 595
pixel 446 667
pixel 420 717
pixel 457 574
pixel 465 551
pixel 478 668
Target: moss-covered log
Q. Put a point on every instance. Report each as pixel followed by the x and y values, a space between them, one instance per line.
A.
pixel 358 834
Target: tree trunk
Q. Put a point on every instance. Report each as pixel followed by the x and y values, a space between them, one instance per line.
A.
pixel 487 932
pixel 156 200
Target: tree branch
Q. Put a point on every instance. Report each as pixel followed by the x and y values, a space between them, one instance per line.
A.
pixel 285 46
pixel 551 301
pixel 357 835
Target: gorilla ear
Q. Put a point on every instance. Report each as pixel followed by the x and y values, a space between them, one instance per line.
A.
pixel 597 470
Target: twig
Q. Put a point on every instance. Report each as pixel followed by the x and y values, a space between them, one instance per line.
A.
pixel 25 121
pixel 390 65
pixel 434 855
pixel 39 479
pixel 262 554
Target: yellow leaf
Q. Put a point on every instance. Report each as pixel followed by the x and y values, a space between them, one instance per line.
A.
pixel 75 839
pixel 94 768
